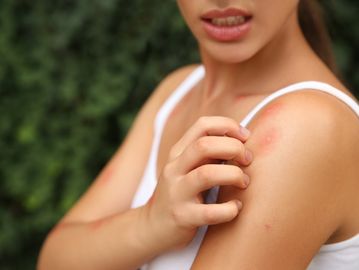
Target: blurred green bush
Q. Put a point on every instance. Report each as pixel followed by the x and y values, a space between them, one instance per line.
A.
pixel 72 76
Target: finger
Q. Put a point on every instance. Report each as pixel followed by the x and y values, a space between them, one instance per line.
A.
pixel 210 126
pixel 211 175
pixel 211 214
pixel 211 149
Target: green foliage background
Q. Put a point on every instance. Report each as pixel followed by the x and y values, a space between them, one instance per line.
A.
pixel 73 74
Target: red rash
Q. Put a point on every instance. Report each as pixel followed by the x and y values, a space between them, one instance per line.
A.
pixel 268 139
pixel 268 227
pixel 240 98
pixel 271 134
pixel 150 201
pixel 270 111
pixel 107 173
pixel 95 225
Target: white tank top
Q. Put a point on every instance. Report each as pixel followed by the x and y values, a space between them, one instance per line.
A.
pixel 339 256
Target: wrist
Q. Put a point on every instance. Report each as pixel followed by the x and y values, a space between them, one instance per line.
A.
pixel 150 237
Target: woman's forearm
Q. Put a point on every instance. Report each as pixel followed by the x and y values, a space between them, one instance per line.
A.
pixel 122 241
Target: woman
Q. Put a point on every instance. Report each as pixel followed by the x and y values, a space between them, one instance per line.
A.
pixel 299 209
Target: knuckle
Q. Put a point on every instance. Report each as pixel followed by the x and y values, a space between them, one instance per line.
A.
pixel 178 215
pixel 167 171
pixel 203 175
pixel 202 145
pixel 173 153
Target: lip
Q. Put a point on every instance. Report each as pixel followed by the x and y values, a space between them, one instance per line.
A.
pixel 216 13
pixel 226 33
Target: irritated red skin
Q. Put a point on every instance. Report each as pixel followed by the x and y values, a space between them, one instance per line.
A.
pixel 97 224
pixel 268 226
pixel 241 97
pixel 94 225
pixel 107 173
pixel 271 110
pixel 151 200
pixel 269 137
pixel 267 141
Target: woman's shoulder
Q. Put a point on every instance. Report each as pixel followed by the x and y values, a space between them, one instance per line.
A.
pixel 303 179
pixel 311 128
pixel 309 112
pixel 310 139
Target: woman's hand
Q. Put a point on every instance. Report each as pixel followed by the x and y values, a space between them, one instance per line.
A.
pixel 196 163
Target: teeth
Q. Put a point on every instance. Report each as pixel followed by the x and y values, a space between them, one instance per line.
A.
pixel 229 21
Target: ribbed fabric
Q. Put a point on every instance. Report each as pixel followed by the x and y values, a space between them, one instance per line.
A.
pixel 339 256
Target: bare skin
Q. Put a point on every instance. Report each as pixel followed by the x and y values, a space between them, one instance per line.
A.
pixel 270 143
pixel 303 200
pixel 101 232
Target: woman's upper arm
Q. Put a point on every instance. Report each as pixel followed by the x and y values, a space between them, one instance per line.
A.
pixel 113 189
pixel 298 192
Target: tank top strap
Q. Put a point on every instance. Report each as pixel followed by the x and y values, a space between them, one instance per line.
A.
pixel 306 85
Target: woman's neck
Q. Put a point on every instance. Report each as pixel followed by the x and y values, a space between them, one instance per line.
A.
pixel 277 64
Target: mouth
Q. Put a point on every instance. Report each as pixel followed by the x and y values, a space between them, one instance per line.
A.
pixel 228 21
pixel 227 18
pixel 227 25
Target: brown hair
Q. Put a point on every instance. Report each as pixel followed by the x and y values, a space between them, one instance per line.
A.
pixel 313 26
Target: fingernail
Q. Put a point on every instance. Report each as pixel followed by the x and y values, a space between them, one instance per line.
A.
pixel 244 132
pixel 249 156
pixel 239 204
pixel 246 179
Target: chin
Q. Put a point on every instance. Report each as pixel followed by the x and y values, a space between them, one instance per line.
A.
pixel 229 53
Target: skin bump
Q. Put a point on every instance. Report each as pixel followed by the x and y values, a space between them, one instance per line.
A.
pixel 97 224
pixel 268 139
pixel 240 98
pixel 268 227
pixel 270 133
